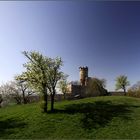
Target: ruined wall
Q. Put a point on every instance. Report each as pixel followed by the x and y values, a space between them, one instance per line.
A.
pixel 80 89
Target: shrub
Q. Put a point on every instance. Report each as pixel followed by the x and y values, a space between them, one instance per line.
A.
pixel 134 91
pixel 95 87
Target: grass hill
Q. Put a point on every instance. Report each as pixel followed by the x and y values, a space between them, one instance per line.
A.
pixel 101 117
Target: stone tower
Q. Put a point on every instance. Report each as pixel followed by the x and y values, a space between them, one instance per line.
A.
pixel 83 75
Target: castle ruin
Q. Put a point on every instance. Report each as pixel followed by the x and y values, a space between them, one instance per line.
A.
pixel 79 89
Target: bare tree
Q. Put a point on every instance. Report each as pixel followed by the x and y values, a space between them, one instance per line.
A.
pixel 9 91
pixel 24 89
pixel 17 90
pixel 134 90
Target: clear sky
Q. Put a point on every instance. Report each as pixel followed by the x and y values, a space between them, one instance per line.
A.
pixel 105 36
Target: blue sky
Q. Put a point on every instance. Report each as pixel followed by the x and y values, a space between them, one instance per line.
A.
pixel 105 36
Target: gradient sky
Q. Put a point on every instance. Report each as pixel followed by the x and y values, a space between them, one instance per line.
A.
pixel 105 36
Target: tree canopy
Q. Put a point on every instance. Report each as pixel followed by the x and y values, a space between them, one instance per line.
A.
pixel 122 83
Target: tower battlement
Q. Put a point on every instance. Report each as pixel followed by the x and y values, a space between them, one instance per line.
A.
pixel 83 68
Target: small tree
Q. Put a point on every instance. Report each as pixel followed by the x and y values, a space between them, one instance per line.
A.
pixel 122 83
pixel 54 75
pixel 63 85
pixel 10 91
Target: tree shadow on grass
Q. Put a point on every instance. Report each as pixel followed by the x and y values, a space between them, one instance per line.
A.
pixel 99 113
pixel 8 126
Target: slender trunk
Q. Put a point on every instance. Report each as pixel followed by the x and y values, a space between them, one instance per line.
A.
pixel 64 96
pixel 1 100
pixel 24 98
pixel 18 100
pixel 52 101
pixel 45 98
pixel 124 91
pixel 45 106
pixel 0 103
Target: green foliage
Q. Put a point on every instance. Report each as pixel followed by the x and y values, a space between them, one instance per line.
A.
pixel 96 87
pixel 107 117
pixel 42 73
pixel 62 85
pixel 35 73
pixel 122 83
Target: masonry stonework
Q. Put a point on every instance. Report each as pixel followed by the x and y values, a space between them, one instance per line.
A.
pixel 75 90
pixel 83 75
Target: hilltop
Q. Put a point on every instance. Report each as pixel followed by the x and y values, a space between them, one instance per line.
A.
pixel 99 117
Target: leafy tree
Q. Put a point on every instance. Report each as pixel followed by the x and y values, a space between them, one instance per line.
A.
pixel 63 83
pixel 54 75
pixel 96 87
pixel 42 73
pixel 122 83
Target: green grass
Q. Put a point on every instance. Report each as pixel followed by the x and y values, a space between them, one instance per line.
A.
pixel 90 118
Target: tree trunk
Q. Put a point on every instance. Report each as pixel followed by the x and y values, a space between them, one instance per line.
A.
pixel 64 96
pixel 45 106
pixel 124 91
pixel 24 98
pixel 1 103
pixel 45 98
pixel 18 100
pixel 52 101
pixel 1 100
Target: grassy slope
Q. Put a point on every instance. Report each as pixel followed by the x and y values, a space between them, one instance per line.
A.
pixel 100 117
